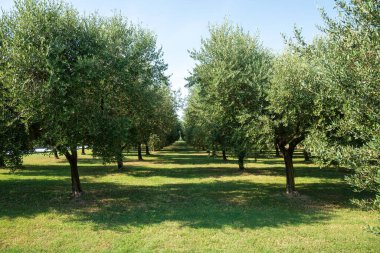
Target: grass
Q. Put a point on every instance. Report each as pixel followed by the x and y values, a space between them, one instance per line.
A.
pixel 179 200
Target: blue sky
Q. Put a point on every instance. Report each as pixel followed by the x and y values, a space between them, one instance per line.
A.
pixel 180 24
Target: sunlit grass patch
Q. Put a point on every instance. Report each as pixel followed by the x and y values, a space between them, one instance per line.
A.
pixel 179 200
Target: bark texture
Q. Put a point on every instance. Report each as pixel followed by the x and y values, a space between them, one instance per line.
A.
pixel 139 152
pixel 2 162
pixel 306 155
pixel 287 153
pixel 76 189
pixel 55 153
pixel 277 150
pixel 224 155
pixel 120 164
pixel 147 149
pixel 241 157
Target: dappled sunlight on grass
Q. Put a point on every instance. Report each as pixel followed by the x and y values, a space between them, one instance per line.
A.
pixel 204 203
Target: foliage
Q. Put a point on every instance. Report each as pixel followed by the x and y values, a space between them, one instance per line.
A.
pixel 75 80
pixel 13 134
pixel 325 91
pixel 232 72
pixel 291 104
pixel 348 131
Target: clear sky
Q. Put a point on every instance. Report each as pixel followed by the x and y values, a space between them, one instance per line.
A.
pixel 180 24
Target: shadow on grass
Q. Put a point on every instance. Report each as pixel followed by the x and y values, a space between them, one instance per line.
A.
pixel 196 158
pixel 219 170
pixel 82 160
pixel 64 170
pixel 236 204
pixel 302 171
pixel 188 170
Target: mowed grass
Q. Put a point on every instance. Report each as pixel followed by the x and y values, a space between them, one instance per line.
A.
pixel 179 200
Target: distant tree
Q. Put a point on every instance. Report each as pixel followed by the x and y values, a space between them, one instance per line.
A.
pixel 165 123
pixel 126 45
pixel 232 72
pixel 138 91
pixel 197 121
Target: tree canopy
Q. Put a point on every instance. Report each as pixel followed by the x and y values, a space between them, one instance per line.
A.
pixel 71 80
pixel 322 95
pixel 231 74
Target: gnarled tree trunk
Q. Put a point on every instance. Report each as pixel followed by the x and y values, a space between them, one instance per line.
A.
pixel 277 150
pixel 213 151
pixel 119 157
pixel 76 189
pixel 224 155
pixel 241 157
pixel 306 155
pixel 139 155
pixel 120 164
pixel 147 149
pixel 83 151
pixel 55 153
pixel 2 162
pixel 287 153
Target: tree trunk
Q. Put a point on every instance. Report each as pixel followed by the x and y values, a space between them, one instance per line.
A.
pixel 147 149
pixel 289 169
pixel 306 155
pixel 83 151
pixel 139 155
pixel 255 154
pixel 2 162
pixel 119 157
pixel 55 153
pixel 214 151
pixel 76 189
pixel 120 164
pixel 241 160
pixel 277 150
pixel 224 155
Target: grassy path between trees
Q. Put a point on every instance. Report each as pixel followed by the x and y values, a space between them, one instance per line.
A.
pixel 178 199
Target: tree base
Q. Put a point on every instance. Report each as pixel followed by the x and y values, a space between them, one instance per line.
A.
pixel 292 194
pixel 75 195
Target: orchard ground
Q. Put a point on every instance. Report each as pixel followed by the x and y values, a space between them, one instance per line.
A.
pixel 179 199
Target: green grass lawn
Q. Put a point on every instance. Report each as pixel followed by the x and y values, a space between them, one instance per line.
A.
pixel 180 200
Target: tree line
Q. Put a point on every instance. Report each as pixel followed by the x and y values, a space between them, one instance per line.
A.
pixel 68 80
pixel 323 95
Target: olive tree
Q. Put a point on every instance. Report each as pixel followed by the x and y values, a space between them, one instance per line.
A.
pixel 348 130
pixel 232 70
pixel 52 63
pixel 291 108
pixel 197 120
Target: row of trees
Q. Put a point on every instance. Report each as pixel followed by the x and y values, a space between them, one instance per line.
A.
pixel 323 95
pixel 67 80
